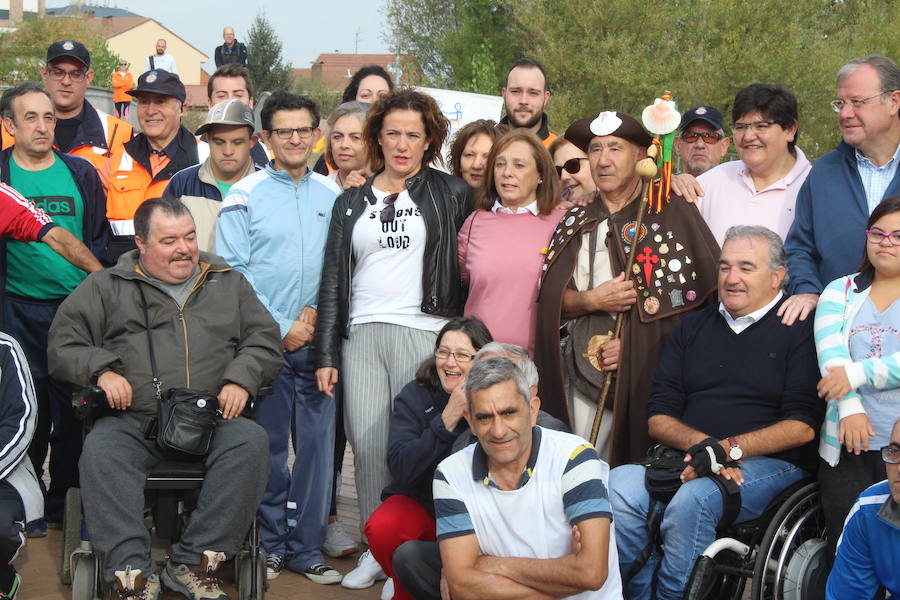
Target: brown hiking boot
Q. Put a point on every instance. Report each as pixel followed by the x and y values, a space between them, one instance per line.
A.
pixel 201 584
pixel 131 584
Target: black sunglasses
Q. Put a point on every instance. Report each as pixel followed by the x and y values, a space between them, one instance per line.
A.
pixel 571 166
pixel 710 137
pixel 388 212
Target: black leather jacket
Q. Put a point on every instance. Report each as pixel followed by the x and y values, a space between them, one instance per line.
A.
pixel 444 202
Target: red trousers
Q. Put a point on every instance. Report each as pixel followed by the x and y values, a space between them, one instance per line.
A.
pixel 399 519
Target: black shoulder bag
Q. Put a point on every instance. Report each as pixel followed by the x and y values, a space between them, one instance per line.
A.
pixel 187 417
pixel 662 479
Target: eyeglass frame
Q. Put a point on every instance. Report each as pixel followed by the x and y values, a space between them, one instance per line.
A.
pixel 447 354
pixel 884 236
pixel 696 135
pixel 757 126
pixel 304 133
pixel 57 74
pixel 891 448
pixel 568 169
pixel 837 105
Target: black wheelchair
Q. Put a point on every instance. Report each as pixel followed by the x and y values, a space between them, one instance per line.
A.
pixel 782 553
pixel 171 494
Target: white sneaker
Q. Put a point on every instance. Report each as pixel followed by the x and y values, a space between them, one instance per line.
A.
pixel 337 542
pixel 387 592
pixel 366 573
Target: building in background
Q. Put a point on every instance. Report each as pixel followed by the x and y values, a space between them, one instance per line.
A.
pixel 134 37
pixel 333 71
pixel 13 11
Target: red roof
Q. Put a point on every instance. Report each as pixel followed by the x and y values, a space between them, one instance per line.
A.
pixel 336 69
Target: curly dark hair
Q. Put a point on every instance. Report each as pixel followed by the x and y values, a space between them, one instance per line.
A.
pixel 436 124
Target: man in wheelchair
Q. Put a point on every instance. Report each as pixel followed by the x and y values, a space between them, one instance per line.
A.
pixel 209 332
pixel 868 552
pixel 735 391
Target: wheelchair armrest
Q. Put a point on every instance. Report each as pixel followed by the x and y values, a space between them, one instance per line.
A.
pixel 90 404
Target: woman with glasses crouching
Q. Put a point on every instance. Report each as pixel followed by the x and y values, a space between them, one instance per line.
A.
pixel 502 244
pixel 857 320
pixel 390 281
pixel 426 420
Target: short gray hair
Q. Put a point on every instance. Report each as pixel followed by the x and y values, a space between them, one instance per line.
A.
pixel 888 71
pixel 492 371
pixel 777 255
pixel 896 423
pixel 517 354
pixel 357 109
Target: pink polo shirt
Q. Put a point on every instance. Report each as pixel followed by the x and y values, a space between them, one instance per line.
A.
pixel 500 257
pixel 730 198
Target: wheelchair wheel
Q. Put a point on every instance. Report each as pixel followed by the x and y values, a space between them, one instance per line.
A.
pixel 791 562
pixel 84 578
pixel 71 532
pixel 248 589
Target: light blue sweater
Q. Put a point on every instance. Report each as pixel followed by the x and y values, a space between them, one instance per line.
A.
pixel 273 231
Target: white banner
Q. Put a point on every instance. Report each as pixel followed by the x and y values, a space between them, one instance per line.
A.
pixel 461 108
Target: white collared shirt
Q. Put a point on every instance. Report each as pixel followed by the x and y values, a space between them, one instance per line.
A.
pixel 741 323
pixel 532 208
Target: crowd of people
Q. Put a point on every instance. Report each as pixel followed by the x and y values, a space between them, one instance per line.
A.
pixel 456 325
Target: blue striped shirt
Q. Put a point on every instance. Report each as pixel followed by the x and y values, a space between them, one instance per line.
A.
pixel 876 180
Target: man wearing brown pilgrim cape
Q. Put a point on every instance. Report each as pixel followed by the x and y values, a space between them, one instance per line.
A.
pixel 674 272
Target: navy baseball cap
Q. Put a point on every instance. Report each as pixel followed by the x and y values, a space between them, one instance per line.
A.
pixel 70 48
pixel 702 113
pixel 159 81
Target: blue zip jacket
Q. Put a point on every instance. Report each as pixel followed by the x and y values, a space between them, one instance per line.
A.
pixel 868 553
pixel 273 231
pixel 827 238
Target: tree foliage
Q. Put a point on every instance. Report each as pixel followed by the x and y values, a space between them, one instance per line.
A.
pixel 25 48
pixel 621 54
pixel 461 44
pixel 268 71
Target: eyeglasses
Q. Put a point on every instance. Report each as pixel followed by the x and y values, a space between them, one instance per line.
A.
pixel 571 166
pixel 756 126
pixel 839 104
pixel 388 212
pixel 876 236
pixel 710 137
pixel 891 454
pixel 76 76
pixel 461 357
pixel 287 133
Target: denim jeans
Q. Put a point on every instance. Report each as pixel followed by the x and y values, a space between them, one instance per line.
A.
pixel 689 521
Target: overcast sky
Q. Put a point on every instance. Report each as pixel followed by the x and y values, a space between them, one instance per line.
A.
pixel 303 31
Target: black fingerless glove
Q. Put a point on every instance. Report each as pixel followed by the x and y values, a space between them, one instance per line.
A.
pixel 707 457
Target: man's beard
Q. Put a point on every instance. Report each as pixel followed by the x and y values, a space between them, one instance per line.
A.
pixel 534 120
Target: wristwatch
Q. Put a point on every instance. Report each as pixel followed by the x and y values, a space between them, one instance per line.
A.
pixel 735 453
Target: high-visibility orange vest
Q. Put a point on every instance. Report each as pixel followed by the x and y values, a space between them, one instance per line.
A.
pixel 130 183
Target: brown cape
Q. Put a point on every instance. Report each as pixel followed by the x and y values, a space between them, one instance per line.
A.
pixel 679 255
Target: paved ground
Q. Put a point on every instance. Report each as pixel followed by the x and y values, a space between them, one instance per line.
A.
pixel 39 563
